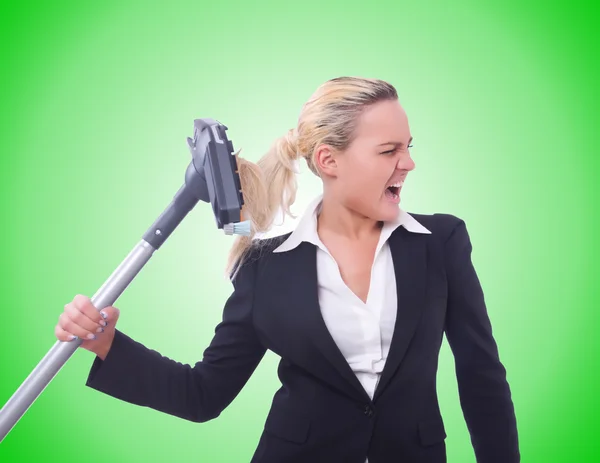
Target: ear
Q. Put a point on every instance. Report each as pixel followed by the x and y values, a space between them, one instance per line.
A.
pixel 326 160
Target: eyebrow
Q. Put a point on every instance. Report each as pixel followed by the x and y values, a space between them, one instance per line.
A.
pixel 397 143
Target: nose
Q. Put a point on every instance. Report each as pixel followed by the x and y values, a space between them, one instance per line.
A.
pixel 405 162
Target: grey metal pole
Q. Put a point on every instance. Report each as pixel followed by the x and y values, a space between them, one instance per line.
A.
pixel 58 355
pixel 184 200
pixel 210 177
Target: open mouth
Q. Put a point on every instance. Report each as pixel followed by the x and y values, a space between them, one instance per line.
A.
pixel 393 190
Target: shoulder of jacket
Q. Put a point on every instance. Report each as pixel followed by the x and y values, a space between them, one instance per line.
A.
pixel 260 249
pixel 440 224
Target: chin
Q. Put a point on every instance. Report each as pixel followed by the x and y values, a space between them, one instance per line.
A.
pixel 387 212
pixel 378 210
pixel 391 213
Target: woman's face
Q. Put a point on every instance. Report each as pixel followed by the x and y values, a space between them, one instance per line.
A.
pixel 378 157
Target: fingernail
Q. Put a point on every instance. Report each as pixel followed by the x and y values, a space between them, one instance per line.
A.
pixel 103 314
pixel 102 322
pixel 91 336
pixel 73 337
pixel 99 329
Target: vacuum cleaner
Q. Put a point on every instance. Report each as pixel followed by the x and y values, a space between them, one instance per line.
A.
pixel 211 176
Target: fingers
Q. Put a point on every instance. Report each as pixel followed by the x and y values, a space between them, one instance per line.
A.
pixel 72 327
pixel 83 304
pixel 80 318
pixel 63 335
pixel 112 315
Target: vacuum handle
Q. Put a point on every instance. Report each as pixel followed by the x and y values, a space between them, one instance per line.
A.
pixel 58 355
pixel 183 201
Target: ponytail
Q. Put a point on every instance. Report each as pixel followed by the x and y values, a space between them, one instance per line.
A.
pixel 267 187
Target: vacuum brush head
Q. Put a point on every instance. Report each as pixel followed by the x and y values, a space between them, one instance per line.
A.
pixel 240 228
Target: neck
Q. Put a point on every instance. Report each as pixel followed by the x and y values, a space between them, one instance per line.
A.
pixel 334 218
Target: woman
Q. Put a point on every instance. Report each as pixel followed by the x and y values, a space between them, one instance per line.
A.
pixel 355 301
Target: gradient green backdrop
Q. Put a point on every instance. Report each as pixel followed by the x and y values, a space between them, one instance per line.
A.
pixel 98 98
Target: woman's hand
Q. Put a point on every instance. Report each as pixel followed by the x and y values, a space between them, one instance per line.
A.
pixel 81 319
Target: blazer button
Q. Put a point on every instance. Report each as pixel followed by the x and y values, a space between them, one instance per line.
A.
pixel 368 411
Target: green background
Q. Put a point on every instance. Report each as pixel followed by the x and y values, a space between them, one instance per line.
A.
pixel 98 99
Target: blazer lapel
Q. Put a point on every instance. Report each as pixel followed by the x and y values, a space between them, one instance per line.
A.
pixel 306 318
pixel 409 254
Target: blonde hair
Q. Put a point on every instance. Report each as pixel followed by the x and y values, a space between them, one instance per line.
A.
pixel 328 117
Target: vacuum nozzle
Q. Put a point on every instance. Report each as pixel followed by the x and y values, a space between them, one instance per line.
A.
pixel 213 173
pixel 240 228
pixel 213 177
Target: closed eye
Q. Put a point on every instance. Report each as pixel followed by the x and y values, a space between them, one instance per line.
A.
pixel 394 150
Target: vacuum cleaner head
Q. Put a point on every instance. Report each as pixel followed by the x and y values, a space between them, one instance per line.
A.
pixel 214 161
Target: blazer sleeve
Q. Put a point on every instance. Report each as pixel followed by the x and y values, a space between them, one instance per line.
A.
pixel 136 374
pixel 484 392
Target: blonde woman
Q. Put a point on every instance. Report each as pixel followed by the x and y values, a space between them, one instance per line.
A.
pixel 355 301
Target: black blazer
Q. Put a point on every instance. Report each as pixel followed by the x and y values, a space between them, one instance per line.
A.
pixel 321 413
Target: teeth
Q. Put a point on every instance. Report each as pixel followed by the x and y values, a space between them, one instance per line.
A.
pixel 397 184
